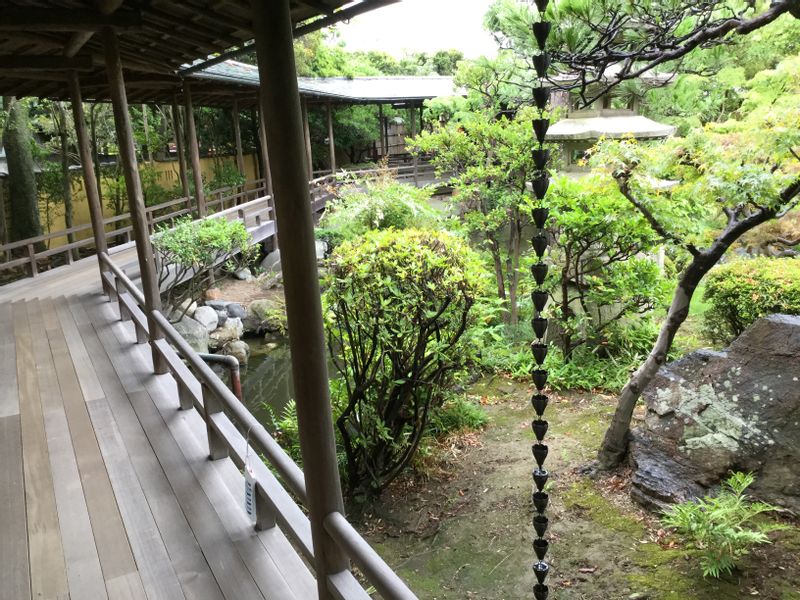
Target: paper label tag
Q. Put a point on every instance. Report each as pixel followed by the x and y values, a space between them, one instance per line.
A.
pixel 250 493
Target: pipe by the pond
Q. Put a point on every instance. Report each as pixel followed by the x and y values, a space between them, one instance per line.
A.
pixel 232 364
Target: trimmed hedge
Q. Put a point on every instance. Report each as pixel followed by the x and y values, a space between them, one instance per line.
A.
pixel 743 291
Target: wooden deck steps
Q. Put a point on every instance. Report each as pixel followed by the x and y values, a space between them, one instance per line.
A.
pixel 105 486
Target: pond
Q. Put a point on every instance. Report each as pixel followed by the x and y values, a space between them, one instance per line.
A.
pixel 267 378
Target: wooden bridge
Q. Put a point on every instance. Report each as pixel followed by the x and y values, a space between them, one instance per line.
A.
pixel 104 473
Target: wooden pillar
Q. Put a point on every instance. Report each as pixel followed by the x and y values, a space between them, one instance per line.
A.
pixel 179 150
pixel 307 135
pixel 262 140
pixel 331 140
pixel 415 159
pixel 194 150
pixel 237 135
pixel 133 187
pixel 280 102
pixel 87 168
pixel 380 129
pixel 265 170
pixel 386 136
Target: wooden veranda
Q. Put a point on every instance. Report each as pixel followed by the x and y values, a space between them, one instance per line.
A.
pixel 121 452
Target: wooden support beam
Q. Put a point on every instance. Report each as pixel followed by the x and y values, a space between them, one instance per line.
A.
pixel 133 186
pixel 45 63
pixel 194 150
pixel 87 168
pixel 265 168
pixel 380 129
pixel 341 15
pixel 176 126
pixel 331 141
pixel 280 102
pixel 307 137
pixel 66 19
pixel 237 134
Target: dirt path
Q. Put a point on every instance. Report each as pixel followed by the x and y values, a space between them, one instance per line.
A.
pixel 464 532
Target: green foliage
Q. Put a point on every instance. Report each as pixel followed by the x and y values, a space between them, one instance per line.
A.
pixel 457 413
pixel 285 429
pixel 490 162
pixel 599 246
pixel 226 174
pixel 742 291
pixel 723 528
pixel 188 253
pixel 397 306
pixel 376 203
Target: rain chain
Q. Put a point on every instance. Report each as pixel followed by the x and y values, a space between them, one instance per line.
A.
pixel 541 157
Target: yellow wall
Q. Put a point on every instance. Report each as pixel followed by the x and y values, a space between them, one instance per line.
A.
pixel 168 177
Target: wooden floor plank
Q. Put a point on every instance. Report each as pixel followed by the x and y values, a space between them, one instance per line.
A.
pixel 84 575
pixel 111 539
pixel 84 364
pixel 231 573
pixel 189 430
pixel 182 549
pixel 14 573
pixel 48 575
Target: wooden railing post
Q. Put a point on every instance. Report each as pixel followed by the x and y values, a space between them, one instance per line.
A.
pixel 124 313
pixel 280 103
pixel 32 257
pixel 216 445
pixel 265 516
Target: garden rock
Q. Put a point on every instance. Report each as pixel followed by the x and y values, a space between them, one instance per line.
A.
pixel 710 413
pixel 232 330
pixel 217 304
pixel 187 307
pixel 222 316
pixel 265 316
pixel 239 350
pixel 207 316
pixel 195 334
pixel 236 310
pixel 243 274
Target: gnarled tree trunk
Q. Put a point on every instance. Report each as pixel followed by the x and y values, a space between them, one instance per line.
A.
pixel 615 443
pixel 23 198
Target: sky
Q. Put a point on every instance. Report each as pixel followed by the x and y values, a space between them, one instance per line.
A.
pixel 422 26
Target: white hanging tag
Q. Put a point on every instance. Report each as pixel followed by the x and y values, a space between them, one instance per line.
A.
pixel 250 493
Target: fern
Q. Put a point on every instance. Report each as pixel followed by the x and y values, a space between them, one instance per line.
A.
pixel 724 527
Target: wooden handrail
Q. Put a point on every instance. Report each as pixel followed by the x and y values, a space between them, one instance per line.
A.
pixel 374 568
pixel 280 509
pixel 215 206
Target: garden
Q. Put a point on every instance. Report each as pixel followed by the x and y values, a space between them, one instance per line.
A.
pixel 642 295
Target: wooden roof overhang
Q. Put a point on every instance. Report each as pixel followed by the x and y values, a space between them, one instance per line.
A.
pixel 41 41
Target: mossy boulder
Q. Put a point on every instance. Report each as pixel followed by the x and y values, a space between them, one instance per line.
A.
pixel 715 412
pixel 265 316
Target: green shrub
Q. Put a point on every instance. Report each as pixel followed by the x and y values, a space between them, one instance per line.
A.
pixel 723 528
pixel 457 413
pixel 188 253
pixel 397 306
pixel 741 292
pixel 381 203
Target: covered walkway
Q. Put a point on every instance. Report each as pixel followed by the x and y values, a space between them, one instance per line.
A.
pixel 106 487
pixel 121 452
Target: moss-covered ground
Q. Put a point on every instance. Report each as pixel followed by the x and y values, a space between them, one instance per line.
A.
pixel 462 529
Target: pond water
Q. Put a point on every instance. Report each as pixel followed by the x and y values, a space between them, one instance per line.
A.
pixel 267 379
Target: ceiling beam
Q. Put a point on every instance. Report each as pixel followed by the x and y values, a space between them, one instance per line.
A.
pixel 45 63
pixel 55 19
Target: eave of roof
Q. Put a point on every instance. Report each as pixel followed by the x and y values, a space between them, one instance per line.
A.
pixel 592 125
